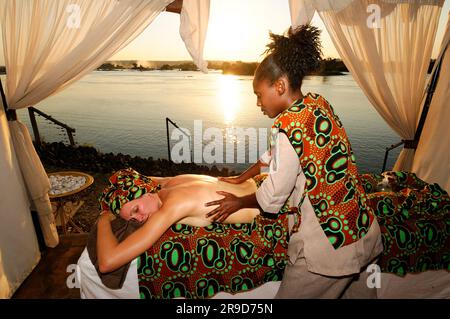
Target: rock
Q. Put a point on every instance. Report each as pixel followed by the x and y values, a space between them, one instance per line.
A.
pixel 60 156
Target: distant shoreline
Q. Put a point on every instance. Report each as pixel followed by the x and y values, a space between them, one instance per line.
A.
pixel 329 67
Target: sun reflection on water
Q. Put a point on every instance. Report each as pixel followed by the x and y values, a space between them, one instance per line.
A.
pixel 229 98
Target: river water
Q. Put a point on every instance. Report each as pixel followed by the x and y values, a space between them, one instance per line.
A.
pixel 125 112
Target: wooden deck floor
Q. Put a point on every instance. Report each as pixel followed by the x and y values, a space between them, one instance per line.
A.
pixel 48 279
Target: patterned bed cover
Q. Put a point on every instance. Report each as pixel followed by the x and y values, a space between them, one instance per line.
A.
pixel 194 262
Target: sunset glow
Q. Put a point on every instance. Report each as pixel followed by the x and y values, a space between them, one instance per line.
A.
pixel 228 94
pixel 238 31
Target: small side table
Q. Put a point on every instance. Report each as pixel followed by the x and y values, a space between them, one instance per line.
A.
pixel 65 205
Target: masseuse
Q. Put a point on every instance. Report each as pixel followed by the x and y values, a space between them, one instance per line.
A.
pixel 312 167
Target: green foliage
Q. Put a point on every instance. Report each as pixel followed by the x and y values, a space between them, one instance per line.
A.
pixel 109 67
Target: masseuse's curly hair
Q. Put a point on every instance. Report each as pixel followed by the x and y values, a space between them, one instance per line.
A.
pixel 294 54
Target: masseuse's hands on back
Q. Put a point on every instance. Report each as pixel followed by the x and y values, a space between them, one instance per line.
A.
pixel 231 203
pixel 226 206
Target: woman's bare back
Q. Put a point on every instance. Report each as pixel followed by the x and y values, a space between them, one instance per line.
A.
pixel 190 193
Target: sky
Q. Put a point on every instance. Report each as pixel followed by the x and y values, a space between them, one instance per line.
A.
pixel 238 31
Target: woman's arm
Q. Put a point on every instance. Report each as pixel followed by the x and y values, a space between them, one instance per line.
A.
pixel 254 170
pixel 251 172
pixel 112 254
pixel 272 194
pixel 106 240
pixel 279 184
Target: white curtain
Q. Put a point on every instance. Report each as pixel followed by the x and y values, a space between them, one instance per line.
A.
pixel 19 249
pixel 432 159
pixel 387 47
pixel 193 28
pixel 302 11
pixel 50 44
pixel 32 167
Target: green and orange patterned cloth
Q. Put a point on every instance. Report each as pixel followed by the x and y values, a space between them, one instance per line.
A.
pixel 199 262
pixel 326 158
pixel 414 220
pixel 196 262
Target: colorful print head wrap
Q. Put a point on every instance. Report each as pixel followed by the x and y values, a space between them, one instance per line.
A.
pixel 124 186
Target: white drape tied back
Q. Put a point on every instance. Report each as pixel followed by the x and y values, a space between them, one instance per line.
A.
pixel 31 165
pixel 387 47
pixel 49 45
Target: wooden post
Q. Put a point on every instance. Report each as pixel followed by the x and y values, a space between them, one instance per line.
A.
pixel 175 6
pixel 11 115
pixel 2 93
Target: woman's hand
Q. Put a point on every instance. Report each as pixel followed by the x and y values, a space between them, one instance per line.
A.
pixel 232 180
pixel 227 206
pixel 254 170
pixel 106 215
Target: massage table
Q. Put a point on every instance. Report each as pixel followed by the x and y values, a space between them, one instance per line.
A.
pixel 415 225
pixel 429 284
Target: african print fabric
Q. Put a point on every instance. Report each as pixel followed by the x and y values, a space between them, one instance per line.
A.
pixel 326 158
pixel 199 262
pixel 414 220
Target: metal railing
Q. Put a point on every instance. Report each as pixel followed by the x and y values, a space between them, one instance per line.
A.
pixel 37 137
pixel 169 121
pixel 386 154
pixel 12 116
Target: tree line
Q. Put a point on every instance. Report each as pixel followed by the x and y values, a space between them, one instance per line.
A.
pixel 329 66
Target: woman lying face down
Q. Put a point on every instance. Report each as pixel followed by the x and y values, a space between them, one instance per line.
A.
pixel 181 200
pixel 142 208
